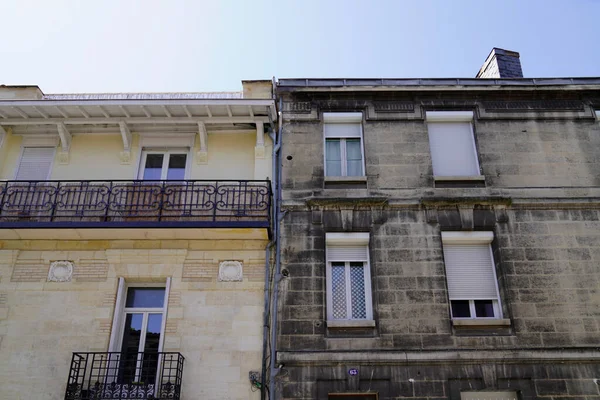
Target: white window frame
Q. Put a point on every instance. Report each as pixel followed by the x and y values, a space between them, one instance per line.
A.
pixel 455 116
pixel 120 312
pixel 349 239
pixel 478 238
pixel 165 167
pixel 347 118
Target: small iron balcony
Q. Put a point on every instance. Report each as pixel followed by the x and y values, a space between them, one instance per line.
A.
pixel 129 375
pixel 135 204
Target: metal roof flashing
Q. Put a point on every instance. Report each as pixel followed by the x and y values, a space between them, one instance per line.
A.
pixel 428 84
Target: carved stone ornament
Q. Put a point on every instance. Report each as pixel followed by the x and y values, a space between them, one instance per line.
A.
pixel 63 157
pixel 60 271
pixel 230 271
pixel 125 157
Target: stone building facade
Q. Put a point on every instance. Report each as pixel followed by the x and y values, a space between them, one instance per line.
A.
pixel 441 239
pixel 133 230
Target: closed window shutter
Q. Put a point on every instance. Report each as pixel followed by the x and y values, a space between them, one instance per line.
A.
pixel 35 164
pixel 488 396
pixel 347 253
pixel 452 149
pixel 342 130
pixel 469 272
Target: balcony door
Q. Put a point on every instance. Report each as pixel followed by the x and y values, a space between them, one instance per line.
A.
pixel 163 165
pixel 142 333
pixel 137 337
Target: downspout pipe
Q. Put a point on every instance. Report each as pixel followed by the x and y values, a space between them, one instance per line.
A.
pixel 277 277
pixel 266 314
pixel 265 321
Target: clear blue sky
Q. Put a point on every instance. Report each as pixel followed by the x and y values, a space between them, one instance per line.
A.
pixel 176 45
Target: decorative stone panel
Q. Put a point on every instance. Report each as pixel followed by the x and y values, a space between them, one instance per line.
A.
pixel 29 271
pixel 91 271
pixel 254 270
pixel 198 271
pixel 303 107
pixel 393 107
pixel 230 271
pixel 60 271
pixel 541 105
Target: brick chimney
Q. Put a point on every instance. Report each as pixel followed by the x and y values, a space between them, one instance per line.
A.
pixel 501 64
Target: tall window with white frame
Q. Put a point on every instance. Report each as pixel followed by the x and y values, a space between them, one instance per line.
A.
pixel 344 152
pixel 471 275
pixel 138 334
pixel 348 280
pixel 452 144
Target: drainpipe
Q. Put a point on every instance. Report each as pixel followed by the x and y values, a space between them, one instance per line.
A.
pixel 278 217
pixel 275 139
pixel 265 321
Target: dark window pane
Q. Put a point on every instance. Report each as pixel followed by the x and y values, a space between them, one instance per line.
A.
pixel 177 161
pixel 130 347
pixel 484 308
pixel 460 309
pixel 176 169
pixel 154 160
pixel 145 297
pixel 150 360
pixel 153 166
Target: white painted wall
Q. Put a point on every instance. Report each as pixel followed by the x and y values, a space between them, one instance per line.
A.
pixel 231 155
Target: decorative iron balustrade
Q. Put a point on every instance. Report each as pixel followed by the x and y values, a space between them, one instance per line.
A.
pixel 188 203
pixel 128 375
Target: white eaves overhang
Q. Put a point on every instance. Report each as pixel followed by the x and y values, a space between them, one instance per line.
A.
pixel 136 112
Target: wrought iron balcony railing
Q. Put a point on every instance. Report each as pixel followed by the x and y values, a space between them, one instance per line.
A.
pixel 113 375
pixel 118 203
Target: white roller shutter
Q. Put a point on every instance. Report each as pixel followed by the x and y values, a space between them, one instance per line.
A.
pixel 346 130
pixel 470 272
pixel 347 253
pixel 35 164
pixel 452 149
pixel 342 125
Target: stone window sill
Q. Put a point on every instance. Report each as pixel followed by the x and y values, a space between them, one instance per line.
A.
pixel 474 178
pixel 342 179
pixel 369 323
pixel 480 322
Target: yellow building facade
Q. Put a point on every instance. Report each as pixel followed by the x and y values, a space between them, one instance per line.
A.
pixel 133 235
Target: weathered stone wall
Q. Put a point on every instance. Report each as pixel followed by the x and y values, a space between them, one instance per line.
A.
pixel 547 267
pixel 513 154
pixel 217 326
pixel 540 158
pixel 539 380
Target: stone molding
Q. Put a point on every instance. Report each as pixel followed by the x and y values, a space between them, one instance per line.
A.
pixel 393 106
pixel 537 105
pixel 60 271
pixel 530 356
